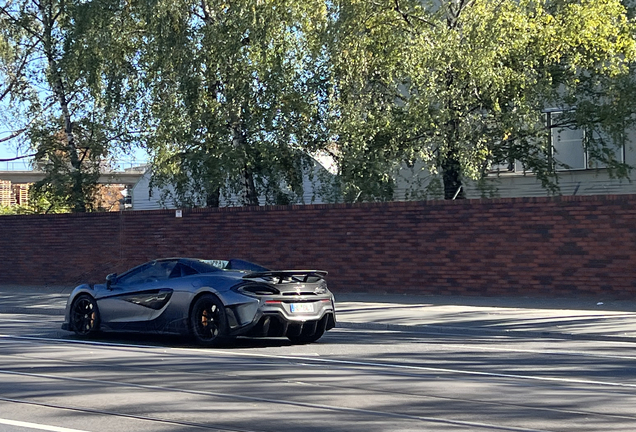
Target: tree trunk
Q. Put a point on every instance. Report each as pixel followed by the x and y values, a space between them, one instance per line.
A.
pixel 77 200
pixel 213 198
pixel 451 174
pixel 250 196
pixel 450 163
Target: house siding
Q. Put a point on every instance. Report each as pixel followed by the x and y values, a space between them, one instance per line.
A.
pixel 146 198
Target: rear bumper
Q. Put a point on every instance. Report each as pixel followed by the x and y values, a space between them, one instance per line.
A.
pixel 283 317
pixel 276 325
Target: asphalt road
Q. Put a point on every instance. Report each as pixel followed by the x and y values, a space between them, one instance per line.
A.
pixel 351 380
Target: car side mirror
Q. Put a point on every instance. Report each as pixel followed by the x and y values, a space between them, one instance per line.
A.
pixel 111 279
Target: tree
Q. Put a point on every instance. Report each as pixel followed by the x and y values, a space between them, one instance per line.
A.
pixel 463 84
pixel 53 67
pixel 233 97
pixel 13 62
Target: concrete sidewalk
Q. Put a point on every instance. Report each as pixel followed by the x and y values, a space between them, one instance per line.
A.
pixel 528 317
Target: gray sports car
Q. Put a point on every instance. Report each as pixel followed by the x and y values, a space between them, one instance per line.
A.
pixel 211 300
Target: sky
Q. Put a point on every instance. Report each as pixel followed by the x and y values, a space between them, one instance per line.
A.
pixel 8 151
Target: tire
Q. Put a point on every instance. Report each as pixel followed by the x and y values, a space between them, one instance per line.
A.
pixel 305 339
pixel 84 316
pixel 208 321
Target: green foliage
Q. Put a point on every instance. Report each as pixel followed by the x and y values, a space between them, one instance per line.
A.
pixel 40 202
pixel 47 198
pixel 52 157
pixel 233 97
pixel 59 60
pixel 462 86
pixel 7 210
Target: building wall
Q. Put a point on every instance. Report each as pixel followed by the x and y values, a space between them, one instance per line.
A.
pixel 146 198
pixel 6 193
pixel 560 247
pixel 590 181
pixel 575 182
pixel 21 193
pixel 579 179
pixel 413 183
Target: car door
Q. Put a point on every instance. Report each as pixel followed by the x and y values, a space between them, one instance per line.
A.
pixel 134 296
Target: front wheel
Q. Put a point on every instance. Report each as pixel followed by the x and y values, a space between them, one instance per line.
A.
pixel 84 317
pixel 208 322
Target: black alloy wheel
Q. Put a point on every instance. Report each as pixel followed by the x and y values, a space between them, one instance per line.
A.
pixel 84 317
pixel 208 323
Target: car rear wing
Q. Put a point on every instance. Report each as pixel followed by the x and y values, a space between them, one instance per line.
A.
pixel 296 275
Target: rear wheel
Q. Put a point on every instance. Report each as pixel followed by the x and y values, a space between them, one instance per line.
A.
pixel 305 339
pixel 84 317
pixel 208 322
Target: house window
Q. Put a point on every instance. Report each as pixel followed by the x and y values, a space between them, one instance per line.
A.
pixel 568 151
pixel 503 167
pixel 618 152
pixel 569 146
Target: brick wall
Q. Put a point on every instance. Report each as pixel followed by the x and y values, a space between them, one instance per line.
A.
pixel 569 246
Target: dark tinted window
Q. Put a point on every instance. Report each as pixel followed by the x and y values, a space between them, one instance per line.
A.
pixel 201 266
pixel 187 270
pixel 151 272
pixel 181 270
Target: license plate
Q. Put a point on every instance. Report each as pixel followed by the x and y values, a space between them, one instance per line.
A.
pixel 302 307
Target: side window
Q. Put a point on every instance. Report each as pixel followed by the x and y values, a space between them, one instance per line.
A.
pixel 188 271
pixel 181 270
pixel 154 271
pixel 133 275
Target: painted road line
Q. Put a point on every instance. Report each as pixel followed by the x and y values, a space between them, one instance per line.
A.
pixel 37 426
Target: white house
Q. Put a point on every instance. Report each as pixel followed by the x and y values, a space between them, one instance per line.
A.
pixel 143 197
pixel 583 176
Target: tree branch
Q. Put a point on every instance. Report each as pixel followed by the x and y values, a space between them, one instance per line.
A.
pixel 207 15
pixel 13 135
pixel 17 158
pixel 17 22
pixel 16 73
pixel 407 16
pixel 404 15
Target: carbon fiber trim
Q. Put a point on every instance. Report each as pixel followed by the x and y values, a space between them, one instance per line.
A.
pixel 153 299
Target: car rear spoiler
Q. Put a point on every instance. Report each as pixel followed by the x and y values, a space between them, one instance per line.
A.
pixel 304 275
